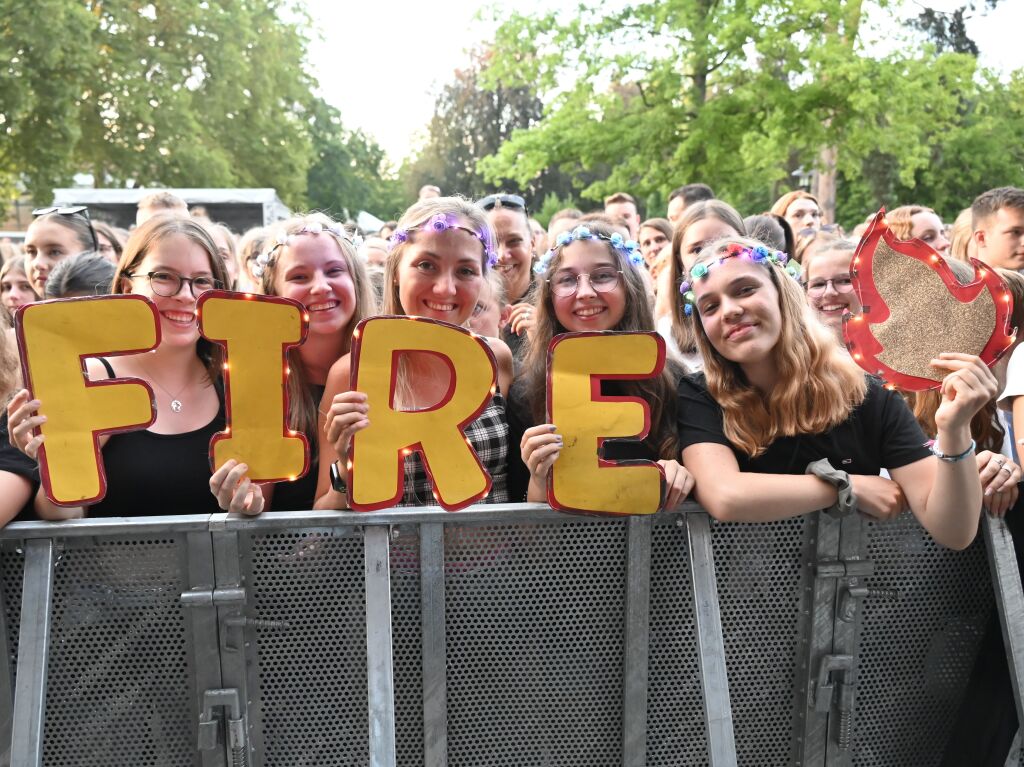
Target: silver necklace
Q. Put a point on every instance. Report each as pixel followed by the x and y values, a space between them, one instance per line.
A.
pixel 176 405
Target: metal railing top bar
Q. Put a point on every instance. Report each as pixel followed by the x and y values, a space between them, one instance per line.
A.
pixel 496 513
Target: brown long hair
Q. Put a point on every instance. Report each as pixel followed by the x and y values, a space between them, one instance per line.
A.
pixel 303 414
pixel 658 392
pixel 818 385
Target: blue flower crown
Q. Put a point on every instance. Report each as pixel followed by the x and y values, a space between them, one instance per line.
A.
pixel 629 249
pixel 442 222
pixel 759 254
pixel 281 239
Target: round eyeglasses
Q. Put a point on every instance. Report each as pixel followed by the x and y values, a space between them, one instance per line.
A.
pixel 168 284
pixel 601 281
pixel 816 288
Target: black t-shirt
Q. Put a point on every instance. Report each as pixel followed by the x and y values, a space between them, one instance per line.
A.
pixel 880 433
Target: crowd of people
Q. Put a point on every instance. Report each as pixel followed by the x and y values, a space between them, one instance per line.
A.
pixel 759 396
pixel 759 392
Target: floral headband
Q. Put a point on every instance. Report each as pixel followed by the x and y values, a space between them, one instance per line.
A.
pixel 442 222
pixel 759 254
pixel 629 249
pixel 281 239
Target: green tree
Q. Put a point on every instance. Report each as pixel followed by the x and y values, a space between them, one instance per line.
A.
pixel 471 122
pixel 739 95
pixel 349 170
pixel 175 93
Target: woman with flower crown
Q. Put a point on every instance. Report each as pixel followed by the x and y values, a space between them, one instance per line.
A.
pixel 310 259
pixel 783 415
pixel 591 281
pixel 440 255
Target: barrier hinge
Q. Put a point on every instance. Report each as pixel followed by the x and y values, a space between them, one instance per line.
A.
pixel 227 699
pixel 844 568
pixel 200 597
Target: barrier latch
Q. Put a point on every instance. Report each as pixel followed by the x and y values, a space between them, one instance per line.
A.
pixel 227 699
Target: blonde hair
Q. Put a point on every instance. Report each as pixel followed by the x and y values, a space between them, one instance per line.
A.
pixel 824 242
pixel 682 331
pixel 961 240
pixel 659 393
pixel 900 220
pixel 303 414
pixel 148 234
pixel 818 385
pixel 415 217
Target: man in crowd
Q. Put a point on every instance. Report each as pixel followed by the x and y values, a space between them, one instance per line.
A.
pixel 998 223
pixel 622 207
pixel 684 197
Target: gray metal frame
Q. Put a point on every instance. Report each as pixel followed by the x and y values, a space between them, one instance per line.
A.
pixel 222 624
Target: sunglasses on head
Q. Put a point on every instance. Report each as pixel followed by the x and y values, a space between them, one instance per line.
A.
pixel 502 200
pixel 73 210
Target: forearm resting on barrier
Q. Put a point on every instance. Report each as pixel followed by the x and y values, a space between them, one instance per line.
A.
pixel 945 497
pixel 730 495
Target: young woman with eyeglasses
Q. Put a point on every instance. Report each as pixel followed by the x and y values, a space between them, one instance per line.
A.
pixel 55 234
pixel 828 282
pixel 164 469
pixel 591 282
pixel 440 256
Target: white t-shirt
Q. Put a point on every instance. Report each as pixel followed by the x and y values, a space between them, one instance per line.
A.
pixel 1014 388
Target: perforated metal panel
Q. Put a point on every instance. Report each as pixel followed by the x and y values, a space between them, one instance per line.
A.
pixel 119 688
pixel 916 653
pixel 12 568
pixel 535 617
pixel 676 731
pixel 761 574
pixel 406 628
pixel 312 674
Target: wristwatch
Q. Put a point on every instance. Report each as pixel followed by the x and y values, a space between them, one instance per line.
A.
pixel 337 482
pixel 846 503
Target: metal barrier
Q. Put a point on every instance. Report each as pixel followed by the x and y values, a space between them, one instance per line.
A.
pixel 499 635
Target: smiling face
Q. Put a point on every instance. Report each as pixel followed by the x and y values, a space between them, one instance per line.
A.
pixel 175 254
pixel 738 305
pixel 514 250
pixel 46 243
pixel 927 227
pixel 440 275
pixel 585 264
pixel 830 289
pixel 313 271
pixel 701 233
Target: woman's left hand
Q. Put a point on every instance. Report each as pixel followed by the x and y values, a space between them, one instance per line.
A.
pixel 965 390
pixel 235 492
pixel 678 483
pixel 520 320
pixel 999 477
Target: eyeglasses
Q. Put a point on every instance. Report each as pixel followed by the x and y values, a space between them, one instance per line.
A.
pixel 601 281
pixel 73 210
pixel 816 288
pixel 168 284
pixel 502 200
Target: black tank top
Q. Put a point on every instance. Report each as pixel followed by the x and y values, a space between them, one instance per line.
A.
pixel 152 474
pixel 299 495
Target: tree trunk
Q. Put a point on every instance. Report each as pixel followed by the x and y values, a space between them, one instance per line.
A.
pixel 824 187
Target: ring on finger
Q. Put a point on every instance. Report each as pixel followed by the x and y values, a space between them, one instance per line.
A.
pixel 1007 469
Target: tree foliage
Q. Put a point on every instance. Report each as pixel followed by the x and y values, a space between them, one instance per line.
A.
pixel 471 122
pixel 741 94
pixel 175 93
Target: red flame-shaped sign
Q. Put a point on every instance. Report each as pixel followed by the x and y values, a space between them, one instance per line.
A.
pixel 914 308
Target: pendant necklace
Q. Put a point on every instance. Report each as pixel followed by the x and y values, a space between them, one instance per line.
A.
pixel 175 402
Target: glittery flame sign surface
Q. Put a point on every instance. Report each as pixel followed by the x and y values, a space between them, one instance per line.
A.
pixel 915 309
